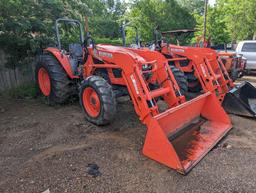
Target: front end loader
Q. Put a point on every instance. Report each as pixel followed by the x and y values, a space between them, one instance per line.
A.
pixel 205 71
pixel 179 132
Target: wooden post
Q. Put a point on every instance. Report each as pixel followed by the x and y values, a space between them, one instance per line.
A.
pixel 205 18
pixel 86 26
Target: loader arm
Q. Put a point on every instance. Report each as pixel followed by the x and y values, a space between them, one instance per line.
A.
pixel 206 65
pixel 131 63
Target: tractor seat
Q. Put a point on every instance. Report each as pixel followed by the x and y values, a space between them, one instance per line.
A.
pixel 75 50
pixel 76 56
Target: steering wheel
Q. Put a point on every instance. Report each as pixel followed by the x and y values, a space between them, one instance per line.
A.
pixel 89 41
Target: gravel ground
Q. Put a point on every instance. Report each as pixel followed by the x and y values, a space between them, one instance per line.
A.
pixel 49 148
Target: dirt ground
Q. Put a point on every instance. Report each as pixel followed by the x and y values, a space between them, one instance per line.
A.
pixel 49 148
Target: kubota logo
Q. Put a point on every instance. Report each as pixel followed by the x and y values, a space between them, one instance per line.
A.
pixel 177 50
pixel 102 54
pixel 105 54
pixel 134 84
pixel 203 70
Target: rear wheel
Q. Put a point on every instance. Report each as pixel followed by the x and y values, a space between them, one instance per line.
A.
pixel 97 100
pixel 180 79
pixel 44 81
pixel 194 85
pixel 52 80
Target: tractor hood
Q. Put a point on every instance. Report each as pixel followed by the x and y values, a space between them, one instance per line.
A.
pixel 176 48
pixel 108 50
pixel 190 52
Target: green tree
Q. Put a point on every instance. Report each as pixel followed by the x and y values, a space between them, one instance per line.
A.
pixel 26 26
pixel 240 17
pixel 217 28
pixel 195 6
pixel 168 15
pixel 229 21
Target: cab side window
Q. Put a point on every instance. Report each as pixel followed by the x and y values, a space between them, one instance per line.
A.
pixel 249 47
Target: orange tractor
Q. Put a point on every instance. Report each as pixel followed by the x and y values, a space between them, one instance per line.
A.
pixel 179 134
pixel 205 71
pixel 234 63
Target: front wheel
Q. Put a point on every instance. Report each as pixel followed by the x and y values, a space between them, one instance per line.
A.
pixel 97 100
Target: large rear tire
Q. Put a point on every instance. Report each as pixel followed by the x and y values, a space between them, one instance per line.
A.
pixel 97 100
pixel 180 79
pixel 52 80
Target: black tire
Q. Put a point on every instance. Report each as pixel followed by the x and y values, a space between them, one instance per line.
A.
pixel 107 100
pixel 194 85
pixel 196 88
pixel 181 79
pixel 62 88
pixel 234 74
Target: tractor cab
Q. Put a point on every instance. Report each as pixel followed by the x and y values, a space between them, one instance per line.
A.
pixel 178 35
pixel 137 39
pixel 75 51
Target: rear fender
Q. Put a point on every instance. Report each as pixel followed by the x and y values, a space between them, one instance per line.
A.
pixel 63 60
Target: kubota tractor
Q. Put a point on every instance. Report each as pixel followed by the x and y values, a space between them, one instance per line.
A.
pixel 205 72
pixel 178 136
pixel 234 63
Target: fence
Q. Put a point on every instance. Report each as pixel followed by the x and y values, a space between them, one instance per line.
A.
pixel 11 78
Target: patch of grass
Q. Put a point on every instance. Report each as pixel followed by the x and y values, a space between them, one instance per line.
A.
pixel 22 92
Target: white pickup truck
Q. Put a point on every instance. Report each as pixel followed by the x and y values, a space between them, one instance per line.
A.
pixel 248 50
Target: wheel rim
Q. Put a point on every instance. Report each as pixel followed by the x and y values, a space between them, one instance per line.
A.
pixel 44 81
pixel 91 102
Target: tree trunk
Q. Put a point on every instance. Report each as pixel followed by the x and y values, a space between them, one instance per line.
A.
pixel 254 36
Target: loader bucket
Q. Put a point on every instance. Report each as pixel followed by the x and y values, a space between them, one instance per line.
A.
pixel 241 100
pixel 181 136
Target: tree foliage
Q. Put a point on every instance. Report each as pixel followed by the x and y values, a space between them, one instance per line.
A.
pixel 230 21
pixel 240 17
pixel 195 6
pixel 168 15
pixel 26 26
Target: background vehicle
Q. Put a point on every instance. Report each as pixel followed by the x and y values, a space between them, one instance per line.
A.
pixel 248 50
